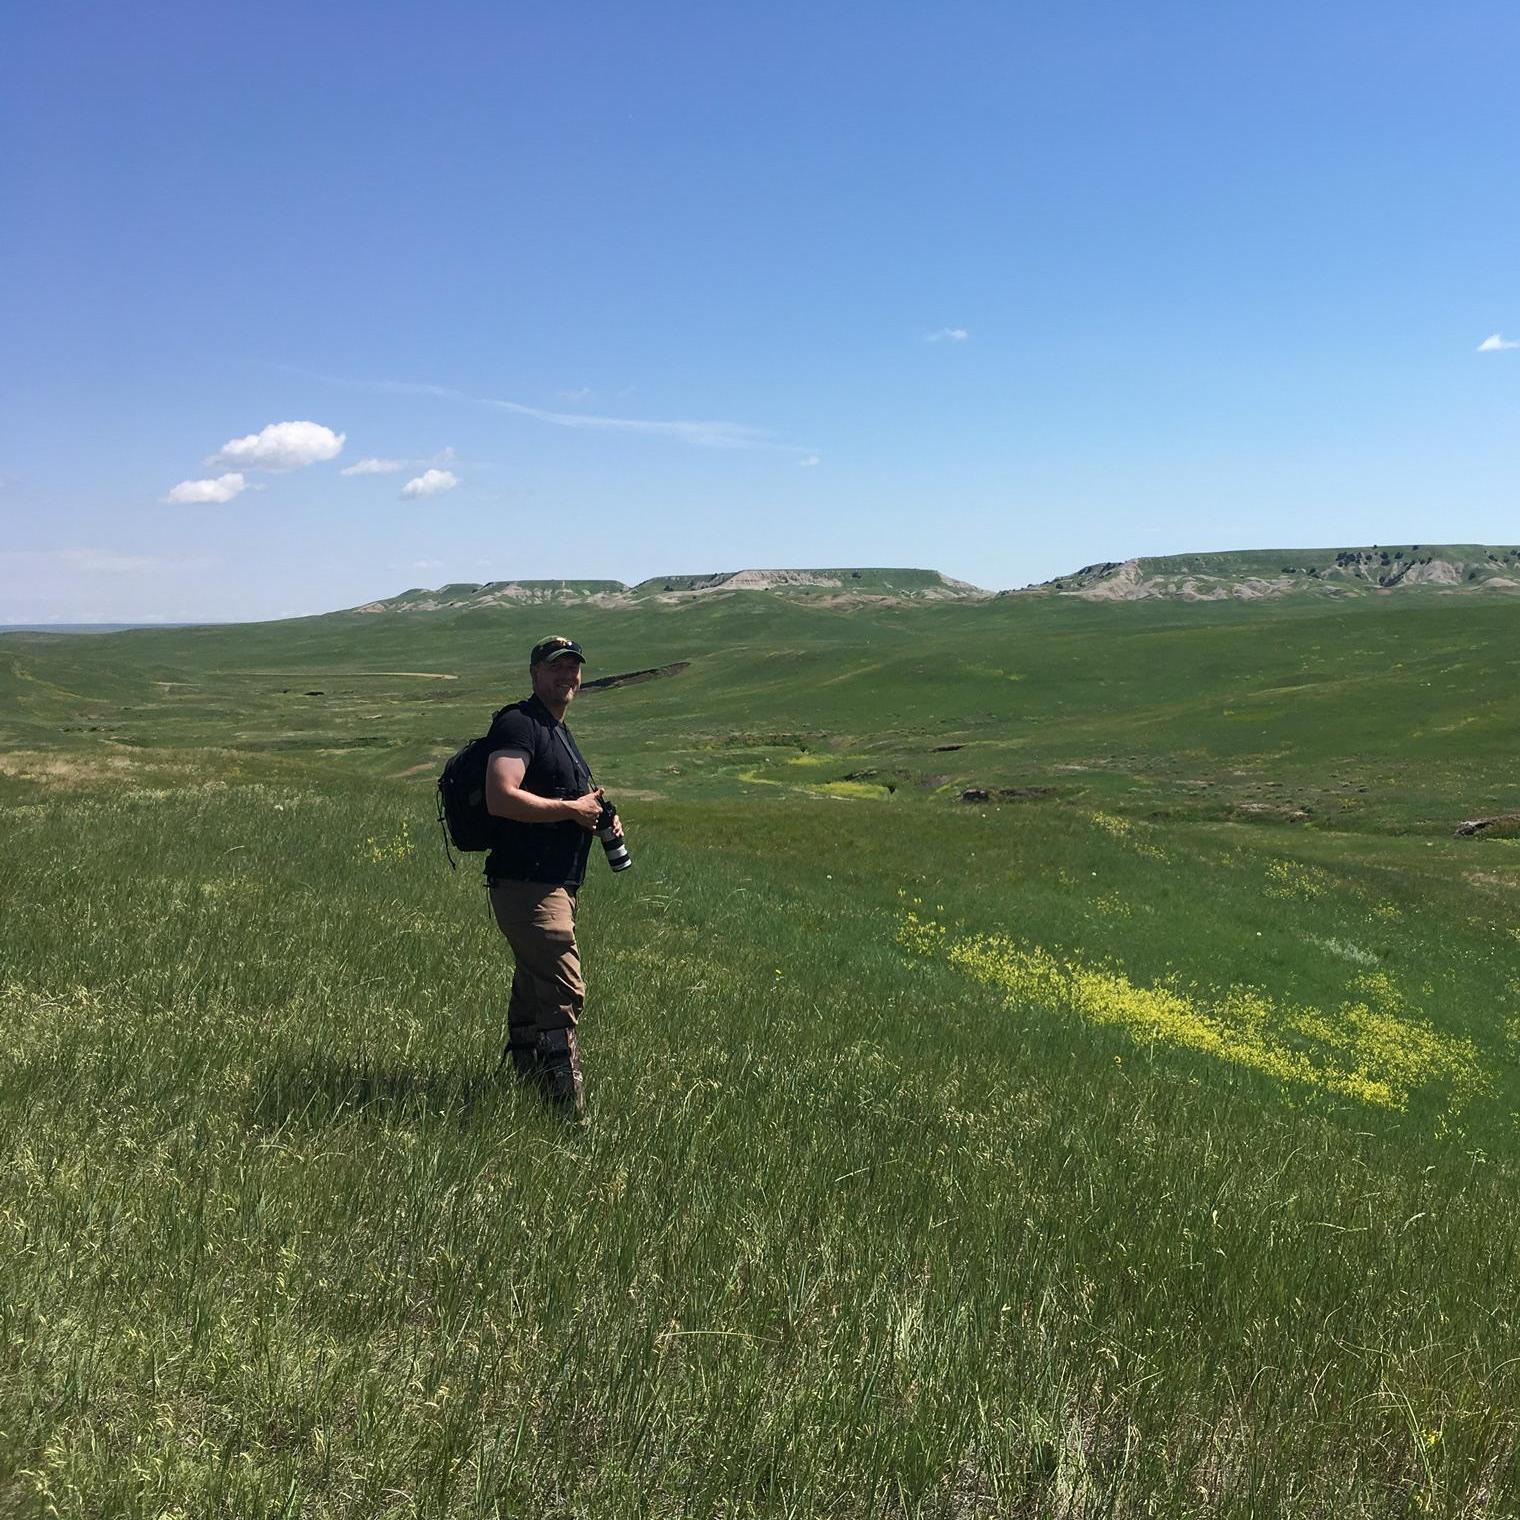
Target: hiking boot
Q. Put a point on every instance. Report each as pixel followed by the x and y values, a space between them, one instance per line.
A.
pixel 560 1064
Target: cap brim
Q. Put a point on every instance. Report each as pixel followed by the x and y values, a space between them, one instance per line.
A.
pixel 560 654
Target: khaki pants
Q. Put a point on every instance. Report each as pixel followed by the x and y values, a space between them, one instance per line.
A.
pixel 547 991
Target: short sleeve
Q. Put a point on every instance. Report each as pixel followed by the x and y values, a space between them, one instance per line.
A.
pixel 514 732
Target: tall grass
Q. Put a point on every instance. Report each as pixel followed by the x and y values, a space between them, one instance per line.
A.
pixel 850 1232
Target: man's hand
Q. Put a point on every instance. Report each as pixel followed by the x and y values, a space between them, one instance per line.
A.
pixel 586 810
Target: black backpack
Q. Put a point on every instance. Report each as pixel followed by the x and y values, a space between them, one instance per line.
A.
pixel 462 811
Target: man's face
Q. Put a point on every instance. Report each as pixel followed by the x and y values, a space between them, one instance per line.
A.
pixel 557 680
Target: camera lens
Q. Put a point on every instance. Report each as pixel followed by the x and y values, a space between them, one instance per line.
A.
pixel 617 849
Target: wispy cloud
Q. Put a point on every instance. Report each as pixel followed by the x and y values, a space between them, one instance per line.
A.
pixel 377 467
pixel 1497 343
pixel 108 562
pixel 711 435
pixel 98 561
pixel 280 446
pixel 396 466
pixel 947 335
pixel 207 492
pixel 430 483
pixel 580 393
pixel 809 460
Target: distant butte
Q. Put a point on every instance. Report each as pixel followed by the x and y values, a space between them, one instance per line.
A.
pixel 834 587
pixel 1254 574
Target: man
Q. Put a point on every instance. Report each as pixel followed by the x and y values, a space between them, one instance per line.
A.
pixel 544 808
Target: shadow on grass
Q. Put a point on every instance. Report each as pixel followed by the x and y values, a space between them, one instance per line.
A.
pixel 311 1088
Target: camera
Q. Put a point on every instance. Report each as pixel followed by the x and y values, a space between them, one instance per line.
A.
pixel 617 849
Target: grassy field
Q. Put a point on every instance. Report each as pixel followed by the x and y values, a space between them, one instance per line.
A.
pixel 1139 1140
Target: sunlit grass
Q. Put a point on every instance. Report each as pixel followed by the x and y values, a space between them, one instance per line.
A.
pixel 842 1237
pixel 1173 1173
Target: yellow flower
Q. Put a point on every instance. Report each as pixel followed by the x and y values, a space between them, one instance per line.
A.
pixel 1367 1049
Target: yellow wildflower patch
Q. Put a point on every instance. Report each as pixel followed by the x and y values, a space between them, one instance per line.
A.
pixel 1368 1049
pixel 921 936
pixel 398 847
pixel 1130 833
pixel 1289 879
pixel 864 789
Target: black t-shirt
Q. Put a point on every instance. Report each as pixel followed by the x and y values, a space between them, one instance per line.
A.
pixel 546 852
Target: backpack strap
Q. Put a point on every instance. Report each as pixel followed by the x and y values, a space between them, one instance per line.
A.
pixel 443 828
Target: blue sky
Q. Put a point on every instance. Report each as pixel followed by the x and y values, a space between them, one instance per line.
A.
pixel 999 289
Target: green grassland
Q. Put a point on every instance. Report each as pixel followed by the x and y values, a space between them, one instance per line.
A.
pixel 1135 1138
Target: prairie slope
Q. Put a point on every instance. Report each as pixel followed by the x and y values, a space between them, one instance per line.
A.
pixel 1362 714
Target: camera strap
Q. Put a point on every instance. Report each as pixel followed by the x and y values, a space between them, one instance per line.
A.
pixel 577 760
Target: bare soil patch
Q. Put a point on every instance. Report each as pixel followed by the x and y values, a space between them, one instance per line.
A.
pixel 1499 823
pixel 1006 793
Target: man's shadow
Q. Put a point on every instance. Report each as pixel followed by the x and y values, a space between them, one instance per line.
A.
pixel 313 1087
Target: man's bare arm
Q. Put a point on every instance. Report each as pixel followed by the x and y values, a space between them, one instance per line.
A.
pixel 505 797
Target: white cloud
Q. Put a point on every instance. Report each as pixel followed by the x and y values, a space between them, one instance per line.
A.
pixel 281 446
pixel 581 393
pixel 203 492
pixel 1494 344
pixel 809 460
pixel 430 483
pixel 947 335
pixel 378 467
